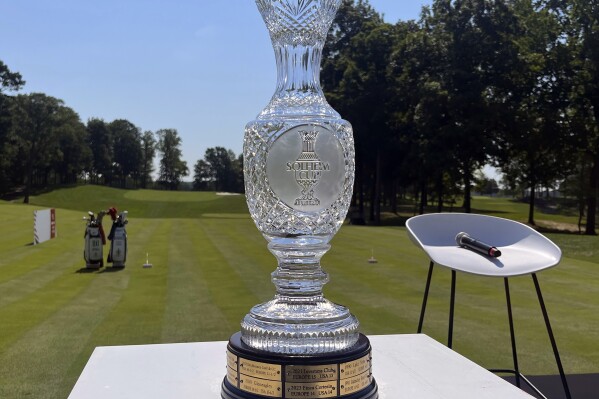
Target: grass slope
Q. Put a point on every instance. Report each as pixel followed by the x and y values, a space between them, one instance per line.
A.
pixel 211 265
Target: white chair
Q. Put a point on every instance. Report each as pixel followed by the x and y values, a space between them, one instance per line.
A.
pixel 523 251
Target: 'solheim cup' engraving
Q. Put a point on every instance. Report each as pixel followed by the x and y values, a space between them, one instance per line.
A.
pixel 305 168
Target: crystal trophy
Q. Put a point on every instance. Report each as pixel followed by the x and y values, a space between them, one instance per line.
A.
pixel 299 172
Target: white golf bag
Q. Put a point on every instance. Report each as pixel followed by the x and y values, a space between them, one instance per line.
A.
pixel 118 241
pixel 93 248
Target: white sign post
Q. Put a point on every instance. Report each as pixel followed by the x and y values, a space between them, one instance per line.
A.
pixel 44 225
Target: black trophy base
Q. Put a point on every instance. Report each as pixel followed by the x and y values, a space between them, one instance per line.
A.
pixel 255 374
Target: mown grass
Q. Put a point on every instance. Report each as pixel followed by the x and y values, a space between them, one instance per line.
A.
pixel 211 265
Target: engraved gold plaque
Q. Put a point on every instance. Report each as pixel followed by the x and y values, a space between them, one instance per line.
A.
pixel 328 372
pixel 232 376
pixel 232 360
pixel 311 390
pixel 262 387
pixel 260 370
pixel 354 384
pixel 355 367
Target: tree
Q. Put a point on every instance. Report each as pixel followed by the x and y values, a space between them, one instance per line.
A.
pixel 100 143
pixel 172 167
pixel 220 170
pixel 355 81
pixel 35 121
pixel 420 114
pixel 535 150
pixel 582 19
pixel 148 152
pixel 203 176
pixel 73 155
pixel 9 81
pixel 485 185
pixel 127 150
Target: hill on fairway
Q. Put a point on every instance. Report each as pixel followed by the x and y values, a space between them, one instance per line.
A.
pixel 211 265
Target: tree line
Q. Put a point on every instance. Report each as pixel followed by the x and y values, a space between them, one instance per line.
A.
pixel 43 142
pixel 510 83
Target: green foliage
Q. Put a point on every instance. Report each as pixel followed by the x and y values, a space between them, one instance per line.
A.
pixel 9 80
pixel 172 167
pixel 148 152
pixel 127 151
pixel 100 142
pixel 36 123
pixel 220 170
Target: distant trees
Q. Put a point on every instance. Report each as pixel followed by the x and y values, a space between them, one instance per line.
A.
pixel 513 83
pixel 127 159
pixel 220 170
pixel 172 167
pixel 9 81
pixel 148 152
pixel 100 142
pixel 35 121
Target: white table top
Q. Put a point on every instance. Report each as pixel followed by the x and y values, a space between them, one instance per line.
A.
pixel 411 366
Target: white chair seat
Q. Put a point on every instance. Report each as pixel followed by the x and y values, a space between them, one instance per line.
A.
pixel 523 250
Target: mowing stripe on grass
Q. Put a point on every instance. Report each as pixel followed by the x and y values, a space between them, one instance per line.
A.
pixel 190 312
pixel 244 250
pixel 19 317
pixel 228 289
pixel 39 363
pixel 39 276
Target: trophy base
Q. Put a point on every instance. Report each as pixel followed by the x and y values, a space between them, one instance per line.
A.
pixel 256 374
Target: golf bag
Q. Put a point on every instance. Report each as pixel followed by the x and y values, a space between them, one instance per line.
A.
pixel 94 241
pixel 118 240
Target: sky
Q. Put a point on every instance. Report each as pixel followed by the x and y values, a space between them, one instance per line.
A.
pixel 204 68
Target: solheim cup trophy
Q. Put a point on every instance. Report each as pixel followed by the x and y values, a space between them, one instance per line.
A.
pixel 299 173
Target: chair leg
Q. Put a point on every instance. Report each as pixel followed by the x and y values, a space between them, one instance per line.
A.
pixel 451 308
pixel 428 284
pixel 551 337
pixel 513 337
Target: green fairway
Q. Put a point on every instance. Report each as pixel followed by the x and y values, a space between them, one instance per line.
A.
pixel 211 265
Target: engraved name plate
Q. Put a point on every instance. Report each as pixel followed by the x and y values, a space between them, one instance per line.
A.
pixel 262 387
pixel 260 370
pixel 355 367
pixel 329 372
pixel 231 360
pixel 232 376
pixel 311 390
pixel 356 383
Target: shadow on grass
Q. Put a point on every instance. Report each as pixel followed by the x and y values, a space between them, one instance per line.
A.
pixel 85 270
pixel 111 269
